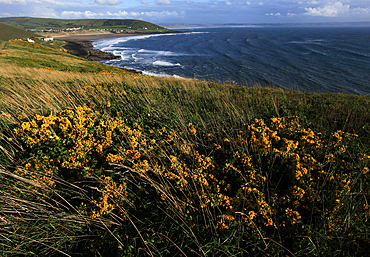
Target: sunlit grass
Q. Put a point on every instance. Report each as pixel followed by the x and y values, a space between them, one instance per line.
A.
pixel 99 162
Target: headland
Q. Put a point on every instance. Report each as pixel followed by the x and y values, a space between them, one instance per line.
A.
pixel 81 44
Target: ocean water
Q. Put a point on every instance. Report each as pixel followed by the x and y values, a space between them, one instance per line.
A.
pixel 311 59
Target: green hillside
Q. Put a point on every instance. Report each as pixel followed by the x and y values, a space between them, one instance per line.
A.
pixel 9 32
pixel 40 24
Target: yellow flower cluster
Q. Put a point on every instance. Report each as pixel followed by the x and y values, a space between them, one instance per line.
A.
pixel 73 144
pixel 271 173
pixel 112 195
pixel 282 171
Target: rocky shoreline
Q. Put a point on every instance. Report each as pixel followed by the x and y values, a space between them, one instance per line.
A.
pixel 81 46
pixel 85 49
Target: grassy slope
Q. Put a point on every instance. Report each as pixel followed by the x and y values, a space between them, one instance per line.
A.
pixel 10 32
pixel 36 80
pixel 58 24
pixel 42 57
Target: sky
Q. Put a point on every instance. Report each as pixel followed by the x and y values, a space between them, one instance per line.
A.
pixel 194 11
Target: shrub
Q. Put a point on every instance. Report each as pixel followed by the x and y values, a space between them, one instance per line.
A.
pixel 274 185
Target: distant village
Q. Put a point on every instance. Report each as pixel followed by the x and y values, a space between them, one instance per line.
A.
pixel 30 40
pixel 74 29
pixel 81 28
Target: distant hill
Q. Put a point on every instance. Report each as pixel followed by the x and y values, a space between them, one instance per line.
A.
pixel 114 25
pixel 9 32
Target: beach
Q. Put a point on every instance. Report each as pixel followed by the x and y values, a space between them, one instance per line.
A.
pixel 92 36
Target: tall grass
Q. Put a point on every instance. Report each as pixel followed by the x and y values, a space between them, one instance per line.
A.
pixel 109 163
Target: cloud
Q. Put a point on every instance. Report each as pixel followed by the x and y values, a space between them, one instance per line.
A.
pixel 361 11
pixel 163 1
pixel 5 14
pixel 273 14
pixel 78 14
pixel 108 2
pixel 331 10
pixel 194 11
pixel 45 3
pixel 123 14
pixel 13 1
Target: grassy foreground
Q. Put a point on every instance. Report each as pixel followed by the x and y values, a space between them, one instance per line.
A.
pixel 95 161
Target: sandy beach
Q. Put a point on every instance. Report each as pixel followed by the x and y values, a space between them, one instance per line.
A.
pixel 91 37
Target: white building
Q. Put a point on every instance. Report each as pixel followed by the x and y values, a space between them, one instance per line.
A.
pixel 48 39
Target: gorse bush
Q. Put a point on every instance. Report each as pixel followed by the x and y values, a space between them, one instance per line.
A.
pixel 274 187
pixel 144 166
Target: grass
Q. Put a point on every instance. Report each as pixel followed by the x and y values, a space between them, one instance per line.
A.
pixel 127 25
pixel 99 162
pixel 9 32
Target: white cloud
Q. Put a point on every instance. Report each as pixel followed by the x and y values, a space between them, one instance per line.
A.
pixel 77 14
pixel 163 1
pixel 46 1
pixel 331 10
pixel 13 1
pixel 197 11
pixel 31 4
pixel 361 11
pixel 123 14
pixel 108 2
pixel 273 14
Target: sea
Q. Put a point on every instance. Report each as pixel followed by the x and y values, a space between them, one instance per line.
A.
pixel 321 59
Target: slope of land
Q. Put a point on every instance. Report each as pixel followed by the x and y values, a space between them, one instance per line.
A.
pixel 10 32
pixel 76 34
pixel 95 161
pixel 56 25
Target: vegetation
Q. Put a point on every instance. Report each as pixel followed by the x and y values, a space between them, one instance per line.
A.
pixel 9 32
pixel 119 25
pixel 99 162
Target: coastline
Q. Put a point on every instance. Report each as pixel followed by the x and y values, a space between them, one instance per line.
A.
pixel 81 44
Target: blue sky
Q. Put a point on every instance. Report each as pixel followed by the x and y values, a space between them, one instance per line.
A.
pixel 194 11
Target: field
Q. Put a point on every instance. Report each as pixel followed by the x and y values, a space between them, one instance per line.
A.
pixel 9 32
pixel 96 161
pixel 56 25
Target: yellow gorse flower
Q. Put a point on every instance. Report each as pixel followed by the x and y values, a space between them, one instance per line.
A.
pixel 267 173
